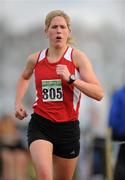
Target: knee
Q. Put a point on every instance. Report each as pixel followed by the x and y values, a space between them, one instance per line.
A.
pixel 43 174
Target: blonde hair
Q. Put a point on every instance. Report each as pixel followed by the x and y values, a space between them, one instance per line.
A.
pixel 61 13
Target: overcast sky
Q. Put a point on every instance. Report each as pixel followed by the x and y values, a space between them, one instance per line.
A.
pixel 22 14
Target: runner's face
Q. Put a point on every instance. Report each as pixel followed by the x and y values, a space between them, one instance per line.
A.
pixel 58 32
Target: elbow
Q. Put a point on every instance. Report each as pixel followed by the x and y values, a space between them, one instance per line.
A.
pixel 100 96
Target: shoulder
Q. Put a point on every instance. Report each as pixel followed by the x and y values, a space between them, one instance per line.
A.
pixel 77 52
pixel 32 58
pixel 79 57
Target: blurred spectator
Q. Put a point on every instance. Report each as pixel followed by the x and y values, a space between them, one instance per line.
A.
pixel 92 162
pixel 117 125
pixel 98 118
pixel 14 157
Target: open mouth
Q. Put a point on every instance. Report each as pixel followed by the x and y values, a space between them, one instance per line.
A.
pixel 59 37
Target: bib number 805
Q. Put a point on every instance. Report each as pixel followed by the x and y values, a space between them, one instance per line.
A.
pixel 52 94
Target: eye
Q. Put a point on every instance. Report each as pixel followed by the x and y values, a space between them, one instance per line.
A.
pixel 63 26
pixel 54 26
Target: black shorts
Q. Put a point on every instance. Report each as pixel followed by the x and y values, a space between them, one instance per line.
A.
pixel 64 136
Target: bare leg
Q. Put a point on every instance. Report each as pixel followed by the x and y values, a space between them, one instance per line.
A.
pixel 41 153
pixel 64 168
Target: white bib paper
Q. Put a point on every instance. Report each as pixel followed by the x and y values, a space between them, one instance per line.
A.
pixel 52 90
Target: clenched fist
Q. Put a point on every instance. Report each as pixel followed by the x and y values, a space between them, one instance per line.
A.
pixel 20 112
pixel 63 71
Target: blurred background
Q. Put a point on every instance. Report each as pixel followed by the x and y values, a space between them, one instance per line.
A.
pixel 99 30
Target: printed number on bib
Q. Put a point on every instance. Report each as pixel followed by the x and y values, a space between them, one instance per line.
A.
pixel 52 90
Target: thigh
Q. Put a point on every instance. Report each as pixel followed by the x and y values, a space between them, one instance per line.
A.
pixel 64 168
pixel 41 154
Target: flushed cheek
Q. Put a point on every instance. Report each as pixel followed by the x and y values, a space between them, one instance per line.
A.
pixel 66 37
pixel 51 37
pixel 66 34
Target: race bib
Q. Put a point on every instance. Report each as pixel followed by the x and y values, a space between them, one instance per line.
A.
pixel 52 90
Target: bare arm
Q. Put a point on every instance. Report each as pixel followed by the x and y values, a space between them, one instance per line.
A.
pixel 88 84
pixel 22 86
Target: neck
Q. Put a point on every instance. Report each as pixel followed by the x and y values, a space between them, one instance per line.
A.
pixel 54 54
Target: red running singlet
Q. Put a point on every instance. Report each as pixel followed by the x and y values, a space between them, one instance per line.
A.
pixel 56 100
